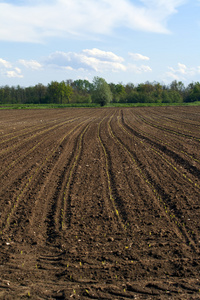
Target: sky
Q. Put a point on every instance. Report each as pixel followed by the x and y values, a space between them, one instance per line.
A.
pixel 123 41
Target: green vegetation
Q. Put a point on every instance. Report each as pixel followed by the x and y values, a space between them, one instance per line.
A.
pixel 101 92
pixel 76 105
pixel 45 106
pixel 196 103
pixel 82 93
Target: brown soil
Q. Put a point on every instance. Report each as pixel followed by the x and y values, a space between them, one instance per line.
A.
pixel 100 203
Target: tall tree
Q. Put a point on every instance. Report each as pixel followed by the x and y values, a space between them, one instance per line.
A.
pixel 193 92
pixel 67 91
pixel 53 92
pixel 101 93
pixel 40 91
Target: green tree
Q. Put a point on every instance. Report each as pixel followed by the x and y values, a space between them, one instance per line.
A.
pixel 82 86
pixel 53 92
pixel 165 96
pixel 40 91
pixel 177 86
pixel 129 87
pixel 1 95
pixel 101 91
pixel 66 92
pixel 175 97
pixel 118 92
pixel 82 91
pixel 133 97
pixel 193 92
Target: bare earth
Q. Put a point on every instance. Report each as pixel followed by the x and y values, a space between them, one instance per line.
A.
pixel 100 203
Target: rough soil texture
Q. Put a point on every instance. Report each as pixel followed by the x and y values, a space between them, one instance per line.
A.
pixel 100 203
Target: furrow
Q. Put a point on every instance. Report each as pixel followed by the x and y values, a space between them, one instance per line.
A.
pixel 113 197
pixel 176 157
pixel 31 178
pixel 169 130
pixel 139 135
pixel 67 203
pixel 161 195
pixel 11 148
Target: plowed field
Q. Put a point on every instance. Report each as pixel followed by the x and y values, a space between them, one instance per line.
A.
pixel 100 203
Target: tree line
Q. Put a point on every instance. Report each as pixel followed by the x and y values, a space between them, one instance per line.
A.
pixel 100 92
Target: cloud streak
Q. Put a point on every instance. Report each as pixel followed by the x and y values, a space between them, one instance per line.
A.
pixel 137 56
pixel 34 21
pixel 95 60
pixel 139 69
pixel 16 73
pixel 182 72
pixel 7 69
pixel 92 60
pixel 30 64
pixel 4 63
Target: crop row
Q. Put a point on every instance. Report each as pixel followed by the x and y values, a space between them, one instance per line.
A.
pixel 159 144
pixel 34 136
pixel 173 166
pixel 111 196
pixel 169 130
pixel 155 190
pixel 180 119
pixel 66 211
pixel 49 198
pixel 31 177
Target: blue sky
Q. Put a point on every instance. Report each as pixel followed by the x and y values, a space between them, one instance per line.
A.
pixel 121 41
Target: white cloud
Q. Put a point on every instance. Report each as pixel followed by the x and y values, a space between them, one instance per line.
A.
pixel 5 63
pixel 16 73
pixel 32 64
pixel 137 56
pixel 88 61
pixel 36 20
pixel 12 73
pixel 103 55
pixel 182 72
pixel 139 69
pixel 93 60
pixel 182 68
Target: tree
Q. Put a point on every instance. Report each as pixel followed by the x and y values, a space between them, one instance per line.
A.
pixel 193 93
pixel 177 86
pixel 1 95
pixel 82 91
pixel 60 92
pixel 82 86
pixel 118 92
pixel 101 92
pixel 129 87
pixel 40 91
pixel 133 97
pixel 66 91
pixel 53 91
pixel 165 97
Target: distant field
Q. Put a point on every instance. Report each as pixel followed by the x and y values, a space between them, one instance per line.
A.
pixel 100 203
